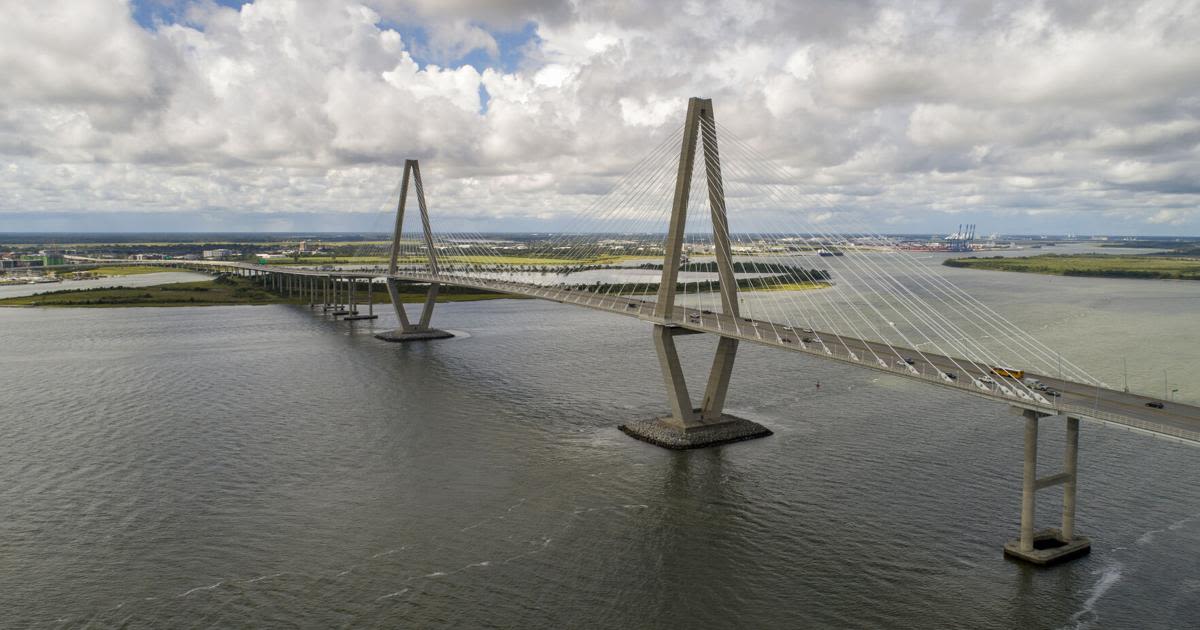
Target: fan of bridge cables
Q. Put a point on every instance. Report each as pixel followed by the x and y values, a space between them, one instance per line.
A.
pixel 805 268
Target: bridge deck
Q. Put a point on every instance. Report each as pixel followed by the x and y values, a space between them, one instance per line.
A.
pixel 1175 420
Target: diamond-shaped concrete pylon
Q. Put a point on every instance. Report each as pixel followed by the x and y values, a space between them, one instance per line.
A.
pixel 688 426
pixel 421 330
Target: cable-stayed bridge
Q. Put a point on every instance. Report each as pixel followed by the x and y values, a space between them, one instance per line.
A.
pixel 698 239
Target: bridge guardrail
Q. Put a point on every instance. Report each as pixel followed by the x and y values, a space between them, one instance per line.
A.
pixel 1144 425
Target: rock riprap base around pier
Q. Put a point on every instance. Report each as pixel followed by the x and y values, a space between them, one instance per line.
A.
pixel 399 336
pixel 665 433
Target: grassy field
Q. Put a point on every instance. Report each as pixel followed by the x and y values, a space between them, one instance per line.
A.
pixel 790 286
pixel 202 293
pixel 226 291
pixel 1094 265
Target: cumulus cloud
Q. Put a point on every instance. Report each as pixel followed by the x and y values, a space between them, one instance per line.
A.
pixel 1028 115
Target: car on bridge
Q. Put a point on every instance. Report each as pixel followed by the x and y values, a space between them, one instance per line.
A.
pixel 983 382
pixel 1033 383
pixel 1155 404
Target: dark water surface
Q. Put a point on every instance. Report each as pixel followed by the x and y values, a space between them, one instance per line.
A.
pixel 263 466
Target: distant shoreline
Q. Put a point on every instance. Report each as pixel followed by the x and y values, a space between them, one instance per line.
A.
pixel 222 291
pixel 1089 265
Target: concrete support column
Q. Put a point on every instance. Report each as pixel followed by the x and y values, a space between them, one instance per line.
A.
pixel 1048 546
pixel 673 247
pixel 718 380
pixel 1070 467
pixel 371 297
pixel 397 305
pixel 1029 481
pixel 427 310
pixel 682 413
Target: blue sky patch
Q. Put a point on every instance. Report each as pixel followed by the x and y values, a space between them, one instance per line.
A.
pixel 150 13
pixel 511 44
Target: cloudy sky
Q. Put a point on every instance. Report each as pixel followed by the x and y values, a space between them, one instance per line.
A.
pixel 282 115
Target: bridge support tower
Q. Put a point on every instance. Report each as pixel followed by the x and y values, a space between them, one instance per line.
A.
pixel 420 330
pixel 1052 545
pixel 707 425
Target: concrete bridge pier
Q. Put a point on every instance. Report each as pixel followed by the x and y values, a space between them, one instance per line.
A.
pixel 689 426
pixel 354 314
pixel 1051 545
pixel 341 290
pixel 408 330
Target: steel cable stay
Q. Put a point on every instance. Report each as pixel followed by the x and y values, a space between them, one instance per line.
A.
pixel 833 329
pixel 893 281
pixel 917 278
pixel 775 238
pixel 1010 331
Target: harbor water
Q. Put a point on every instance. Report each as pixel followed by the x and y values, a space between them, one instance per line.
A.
pixel 270 467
